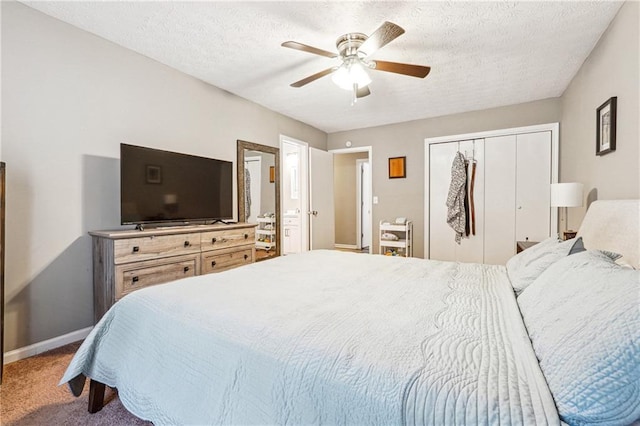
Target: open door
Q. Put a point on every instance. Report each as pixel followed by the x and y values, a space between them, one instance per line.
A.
pixel 321 211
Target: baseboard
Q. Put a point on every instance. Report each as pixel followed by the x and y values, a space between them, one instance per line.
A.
pixel 47 345
pixel 346 246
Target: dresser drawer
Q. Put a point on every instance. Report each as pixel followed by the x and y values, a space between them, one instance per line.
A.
pixel 224 238
pixel 143 274
pixel 152 247
pixel 220 260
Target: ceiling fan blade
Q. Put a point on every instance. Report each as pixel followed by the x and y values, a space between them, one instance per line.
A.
pixel 381 37
pixel 313 77
pixel 309 49
pixel 399 68
pixel 362 92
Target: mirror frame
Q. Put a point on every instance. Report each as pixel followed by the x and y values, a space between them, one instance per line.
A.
pixel 241 147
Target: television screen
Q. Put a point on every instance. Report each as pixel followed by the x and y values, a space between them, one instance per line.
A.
pixel 163 186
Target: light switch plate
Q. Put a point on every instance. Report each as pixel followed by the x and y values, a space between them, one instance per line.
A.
pixel 375 200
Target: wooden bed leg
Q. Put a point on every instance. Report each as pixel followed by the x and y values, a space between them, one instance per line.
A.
pixel 96 396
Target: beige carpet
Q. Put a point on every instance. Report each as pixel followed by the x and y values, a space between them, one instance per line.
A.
pixel 30 395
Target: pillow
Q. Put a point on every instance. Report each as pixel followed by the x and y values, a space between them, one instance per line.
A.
pixel 584 323
pixel 577 247
pixel 527 265
pixel 624 263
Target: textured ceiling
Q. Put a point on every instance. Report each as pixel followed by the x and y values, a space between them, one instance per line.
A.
pixel 482 54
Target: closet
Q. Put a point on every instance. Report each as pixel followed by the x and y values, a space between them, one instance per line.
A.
pixel 513 172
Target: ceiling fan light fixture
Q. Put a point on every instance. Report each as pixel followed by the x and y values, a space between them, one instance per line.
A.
pixel 351 73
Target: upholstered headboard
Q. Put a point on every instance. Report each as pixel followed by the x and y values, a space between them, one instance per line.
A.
pixel 613 225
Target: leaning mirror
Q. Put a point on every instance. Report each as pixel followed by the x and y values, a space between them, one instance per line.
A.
pixel 259 195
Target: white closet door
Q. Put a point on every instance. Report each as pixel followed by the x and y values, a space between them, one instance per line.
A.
pixel 533 178
pixel 500 199
pixel 441 236
pixel 442 245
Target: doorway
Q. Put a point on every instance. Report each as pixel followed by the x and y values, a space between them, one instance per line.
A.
pixel 353 199
pixel 295 198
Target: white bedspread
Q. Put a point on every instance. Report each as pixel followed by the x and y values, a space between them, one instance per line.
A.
pixel 323 337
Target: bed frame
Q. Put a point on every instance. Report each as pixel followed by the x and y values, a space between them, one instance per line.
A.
pixel 612 225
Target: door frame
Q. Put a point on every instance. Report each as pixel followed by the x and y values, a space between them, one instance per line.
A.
pixel 369 150
pixel 359 186
pixel 303 147
pixel 554 128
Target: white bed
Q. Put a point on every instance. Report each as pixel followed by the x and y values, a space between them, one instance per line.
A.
pixel 324 338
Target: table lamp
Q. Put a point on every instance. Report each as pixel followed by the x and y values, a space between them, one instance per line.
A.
pixel 567 195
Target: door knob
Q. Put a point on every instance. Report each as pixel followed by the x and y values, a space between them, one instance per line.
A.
pixel 313 212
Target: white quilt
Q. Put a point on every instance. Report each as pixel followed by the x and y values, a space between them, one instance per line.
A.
pixel 323 338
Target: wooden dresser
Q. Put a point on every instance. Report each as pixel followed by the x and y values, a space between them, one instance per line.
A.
pixel 125 261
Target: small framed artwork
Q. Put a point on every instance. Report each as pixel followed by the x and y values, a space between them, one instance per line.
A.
pixel 606 127
pixel 397 168
pixel 272 174
pixel 154 174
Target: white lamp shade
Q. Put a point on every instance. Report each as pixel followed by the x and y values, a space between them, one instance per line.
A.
pixel 567 194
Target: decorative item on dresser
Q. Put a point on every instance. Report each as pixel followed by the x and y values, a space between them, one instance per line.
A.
pixel 259 195
pixel 125 261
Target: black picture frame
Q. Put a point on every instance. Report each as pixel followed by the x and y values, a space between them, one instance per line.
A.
pixel 397 167
pixel 606 126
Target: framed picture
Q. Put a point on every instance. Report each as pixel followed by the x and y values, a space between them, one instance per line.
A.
pixel 272 174
pixel 154 174
pixel 606 127
pixel 397 167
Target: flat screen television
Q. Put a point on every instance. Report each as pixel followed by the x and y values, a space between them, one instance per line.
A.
pixel 161 186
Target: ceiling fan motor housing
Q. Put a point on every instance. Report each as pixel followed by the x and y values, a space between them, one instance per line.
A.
pixel 348 44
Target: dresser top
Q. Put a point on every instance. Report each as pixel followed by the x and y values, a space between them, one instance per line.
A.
pixel 168 230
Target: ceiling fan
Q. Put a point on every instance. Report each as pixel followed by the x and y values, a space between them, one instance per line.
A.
pixel 354 50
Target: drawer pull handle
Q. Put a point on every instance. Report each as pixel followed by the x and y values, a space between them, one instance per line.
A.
pixel 246 236
pixel 136 249
pixel 187 243
pixel 135 279
pixel 213 263
pixel 213 240
pixel 246 256
pixel 186 269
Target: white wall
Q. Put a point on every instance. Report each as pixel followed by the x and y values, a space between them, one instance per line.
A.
pixel 69 99
pixel 612 69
